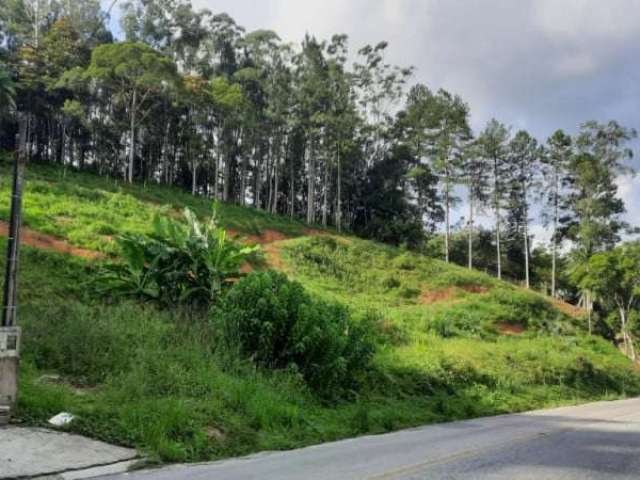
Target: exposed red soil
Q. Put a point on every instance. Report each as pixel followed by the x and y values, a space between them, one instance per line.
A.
pixel 449 293
pixel 48 242
pixel 508 329
pixel 265 237
pixel 568 309
pixel 474 288
pixel 435 296
pixel 274 258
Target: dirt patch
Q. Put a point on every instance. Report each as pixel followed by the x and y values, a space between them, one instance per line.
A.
pixel 246 268
pixel 313 232
pixel 47 242
pixel 435 296
pixel 265 237
pixel 568 309
pixel 214 433
pixel 273 256
pixel 508 329
pixel 474 288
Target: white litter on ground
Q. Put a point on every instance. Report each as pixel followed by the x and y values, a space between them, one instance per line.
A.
pixel 61 419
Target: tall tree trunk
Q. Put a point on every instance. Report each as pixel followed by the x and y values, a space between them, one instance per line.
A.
pixel 194 176
pixel 132 136
pixel 276 177
pixel 470 232
pixel 216 178
pixel 447 211
pixel 269 168
pixel 496 202
pixel 311 185
pixel 554 238
pixel 325 204
pixel 526 238
pixel 339 190
pixel 526 252
pixel 588 304
pixel 630 350
pixel 292 188
pixel 243 180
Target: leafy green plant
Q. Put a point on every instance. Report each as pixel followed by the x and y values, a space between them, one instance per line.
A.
pixel 178 263
pixel 275 322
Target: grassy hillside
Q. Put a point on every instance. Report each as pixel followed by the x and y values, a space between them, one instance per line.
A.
pixel 451 343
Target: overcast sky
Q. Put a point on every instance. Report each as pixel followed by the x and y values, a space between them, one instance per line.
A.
pixel 534 64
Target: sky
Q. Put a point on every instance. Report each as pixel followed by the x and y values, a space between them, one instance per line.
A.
pixel 533 64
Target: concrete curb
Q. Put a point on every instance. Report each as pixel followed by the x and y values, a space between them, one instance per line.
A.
pixel 42 453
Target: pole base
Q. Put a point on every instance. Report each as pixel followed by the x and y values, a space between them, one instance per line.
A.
pixel 9 362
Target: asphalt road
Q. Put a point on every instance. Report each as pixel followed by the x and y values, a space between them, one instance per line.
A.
pixel 595 441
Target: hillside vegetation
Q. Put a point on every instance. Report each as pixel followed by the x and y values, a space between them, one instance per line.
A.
pixel 449 343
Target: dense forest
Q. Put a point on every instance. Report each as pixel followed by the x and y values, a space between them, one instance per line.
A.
pixel 312 130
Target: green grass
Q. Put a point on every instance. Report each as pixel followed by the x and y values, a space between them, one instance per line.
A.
pixel 135 375
pixel 88 210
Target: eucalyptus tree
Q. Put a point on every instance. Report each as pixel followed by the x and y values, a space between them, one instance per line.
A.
pixel 524 155
pixel 311 108
pixel 267 80
pixel 380 87
pixel 555 171
pixel 135 72
pixel 475 175
pixel 343 118
pixel 439 124
pixel 493 142
pixel 229 102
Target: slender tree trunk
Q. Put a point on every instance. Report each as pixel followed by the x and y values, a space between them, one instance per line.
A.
pixel 526 254
pixel 447 211
pixel 526 239
pixel 243 180
pixel 216 181
pixel 554 238
pixel 132 136
pixel 194 176
pixel 325 204
pixel 630 350
pixel 270 156
pixel 470 231
pixel 311 187
pixel 339 190
pixel 589 306
pixel 292 187
pixel 227 174
pixel 276 179
pixel 496 200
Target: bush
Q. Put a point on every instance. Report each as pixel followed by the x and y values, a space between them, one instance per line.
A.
pixel 178 263
pixel 274 322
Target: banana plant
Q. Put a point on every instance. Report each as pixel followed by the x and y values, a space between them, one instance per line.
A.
pixel 179 263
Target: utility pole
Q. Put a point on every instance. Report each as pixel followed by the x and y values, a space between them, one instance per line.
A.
pixel 9 330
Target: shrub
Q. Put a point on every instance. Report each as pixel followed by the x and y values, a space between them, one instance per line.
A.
pixel 275 322
pixel 178 263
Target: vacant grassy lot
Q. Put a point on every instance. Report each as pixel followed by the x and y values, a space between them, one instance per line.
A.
pixel 451 343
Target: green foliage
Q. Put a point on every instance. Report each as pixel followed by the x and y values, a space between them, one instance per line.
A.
pixel 277 324
pixel 178 263
pixel 7 91
pixel 155 379
pixel 87 210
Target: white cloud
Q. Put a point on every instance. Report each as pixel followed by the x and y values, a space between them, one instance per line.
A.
pixel 582 20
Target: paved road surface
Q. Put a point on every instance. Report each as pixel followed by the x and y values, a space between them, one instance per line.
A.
pixel 595 441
